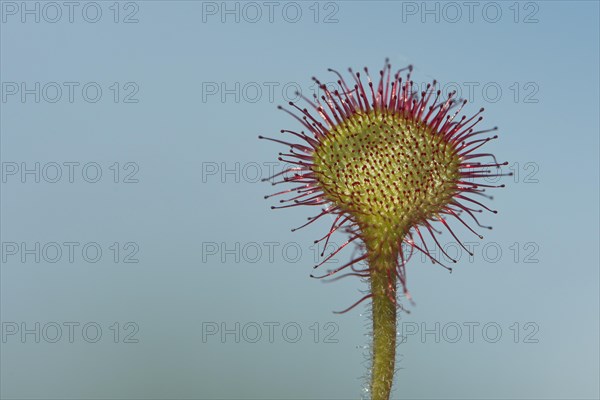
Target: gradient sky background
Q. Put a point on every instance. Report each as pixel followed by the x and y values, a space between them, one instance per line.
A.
pixel 184 211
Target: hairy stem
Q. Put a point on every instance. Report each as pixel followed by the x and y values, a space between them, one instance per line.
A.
pixel 383 288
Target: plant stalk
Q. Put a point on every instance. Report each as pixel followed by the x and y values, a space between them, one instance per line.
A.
pixel 383 286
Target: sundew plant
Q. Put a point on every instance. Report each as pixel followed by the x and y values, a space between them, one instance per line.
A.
pixel 395 167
